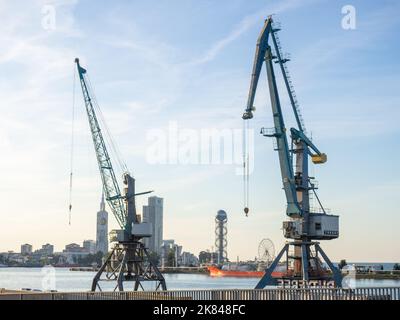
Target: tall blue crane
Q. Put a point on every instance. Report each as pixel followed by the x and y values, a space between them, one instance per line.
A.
pixel 305 224
pixel 129 260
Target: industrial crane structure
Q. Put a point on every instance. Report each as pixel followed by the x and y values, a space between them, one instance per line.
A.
pixel 129 259
pixel 305 225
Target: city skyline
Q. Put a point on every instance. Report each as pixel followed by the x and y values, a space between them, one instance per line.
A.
pixel 189 64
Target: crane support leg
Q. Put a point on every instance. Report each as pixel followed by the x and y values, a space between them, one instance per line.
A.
pixel 129 262
pixel 101 270
pixel 337 276
pixel 267 279
pixel 120 278
pixel 310 271
pixel 304 261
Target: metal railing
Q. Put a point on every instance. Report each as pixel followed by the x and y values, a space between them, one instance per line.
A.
pixel 384 293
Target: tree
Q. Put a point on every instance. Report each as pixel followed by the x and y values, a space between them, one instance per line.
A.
pixel 396 267
pixel 342 264
pixel 154 257
pixel 204 257
pixel 208 257
pixel 90 259
pixel 56 259
pixel 171 258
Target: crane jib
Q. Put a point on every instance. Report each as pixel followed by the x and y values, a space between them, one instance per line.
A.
pixel 110 184
pixel 262 44
pixel 294 179
pixel 263 55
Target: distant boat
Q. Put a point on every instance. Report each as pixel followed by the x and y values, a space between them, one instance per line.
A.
pixel 239 271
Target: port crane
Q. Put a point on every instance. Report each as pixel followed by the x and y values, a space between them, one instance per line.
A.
pixel 129 259
pixel 305 224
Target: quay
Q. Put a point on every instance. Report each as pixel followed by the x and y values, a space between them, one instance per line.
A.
pixel 90 269
pixel 188 270
pixel 383 293
pixel 374 275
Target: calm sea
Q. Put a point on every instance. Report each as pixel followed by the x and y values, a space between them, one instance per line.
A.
pixel 386 265
pixel 62 279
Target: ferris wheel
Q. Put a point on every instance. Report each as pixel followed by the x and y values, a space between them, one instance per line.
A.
pixel 266 251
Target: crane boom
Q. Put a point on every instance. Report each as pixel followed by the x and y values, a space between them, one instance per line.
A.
pixel 293 208
pixel 110 184
pixel 263 53
pixel 262 44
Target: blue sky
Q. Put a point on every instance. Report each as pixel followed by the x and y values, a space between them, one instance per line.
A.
pixel 152 62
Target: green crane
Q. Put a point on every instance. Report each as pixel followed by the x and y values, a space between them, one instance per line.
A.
pixel 129 260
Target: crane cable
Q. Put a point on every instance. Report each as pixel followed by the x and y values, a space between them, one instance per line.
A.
pixel 245 149
pixel 72 149
pixel 109 138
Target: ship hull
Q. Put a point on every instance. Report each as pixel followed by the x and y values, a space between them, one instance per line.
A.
pixel 216 272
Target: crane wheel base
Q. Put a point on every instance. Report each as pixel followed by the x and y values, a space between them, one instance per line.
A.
pixel 307 267
pixel 129 262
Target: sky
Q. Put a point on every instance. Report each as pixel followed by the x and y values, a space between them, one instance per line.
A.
pixel 156 65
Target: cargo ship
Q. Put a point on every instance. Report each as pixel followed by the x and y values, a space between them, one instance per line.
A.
pixel 240 271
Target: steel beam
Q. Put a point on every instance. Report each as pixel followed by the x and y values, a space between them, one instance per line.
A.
pixel 337 275
pixel 267 279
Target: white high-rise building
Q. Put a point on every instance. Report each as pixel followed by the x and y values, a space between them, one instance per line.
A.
pixel 102 229
pixel 47 249
pixel 90 246
pixel 26 249
pixel 153 213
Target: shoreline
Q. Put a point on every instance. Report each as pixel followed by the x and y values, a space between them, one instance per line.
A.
pixel 379 275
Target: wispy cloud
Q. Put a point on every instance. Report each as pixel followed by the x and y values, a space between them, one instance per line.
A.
pixel 243 26
pixel 340 43
pixel 34 64
pixel 157 52
pixel 179 69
